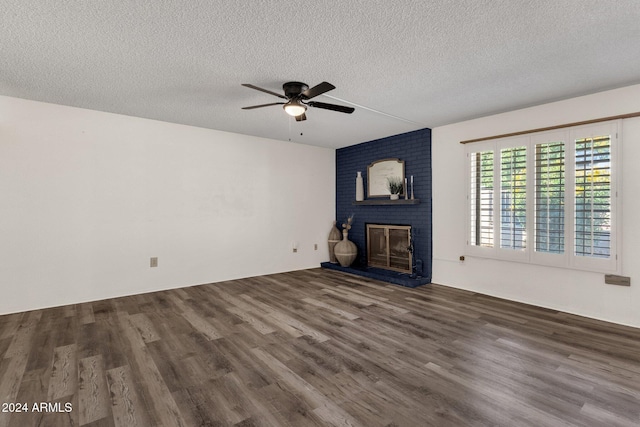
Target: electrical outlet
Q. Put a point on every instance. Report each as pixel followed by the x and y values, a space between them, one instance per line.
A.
pixel 315 246
pixel 461 257
pixel 153 262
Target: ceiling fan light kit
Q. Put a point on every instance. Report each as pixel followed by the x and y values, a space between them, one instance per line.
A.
pixel 294 108
pixel 296 93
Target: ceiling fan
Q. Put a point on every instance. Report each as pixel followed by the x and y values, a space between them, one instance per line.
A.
pixel 297 94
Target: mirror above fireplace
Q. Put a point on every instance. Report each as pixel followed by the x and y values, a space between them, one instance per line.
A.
pixel 377 174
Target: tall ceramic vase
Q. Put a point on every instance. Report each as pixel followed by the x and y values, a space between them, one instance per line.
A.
pixel 346 251
pixel 359 188
pixel 334 238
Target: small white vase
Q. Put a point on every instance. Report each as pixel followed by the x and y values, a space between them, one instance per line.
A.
pixel 359 188
pixel 394 196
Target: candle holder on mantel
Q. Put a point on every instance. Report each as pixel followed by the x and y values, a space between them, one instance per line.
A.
pixel 406 189
pixel 412 198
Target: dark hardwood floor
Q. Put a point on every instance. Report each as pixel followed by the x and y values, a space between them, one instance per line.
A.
pixel 315 348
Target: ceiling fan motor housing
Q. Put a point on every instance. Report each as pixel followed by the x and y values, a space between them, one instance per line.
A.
pixel 294 89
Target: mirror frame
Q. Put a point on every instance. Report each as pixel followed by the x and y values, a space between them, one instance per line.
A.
pixel 377 174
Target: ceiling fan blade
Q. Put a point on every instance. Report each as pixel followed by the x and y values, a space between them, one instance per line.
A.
pixel 301 117
pixel 263 90
pixel 262 105
pixel 332 107
pixel 317 90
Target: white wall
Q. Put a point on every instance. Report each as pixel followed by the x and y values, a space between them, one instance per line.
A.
pixel 566 290
pixel 86 198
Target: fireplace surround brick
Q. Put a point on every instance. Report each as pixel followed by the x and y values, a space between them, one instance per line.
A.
pixel 415 149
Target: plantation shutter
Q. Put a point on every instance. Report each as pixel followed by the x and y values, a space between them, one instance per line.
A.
pixel 549 197
pixel 481 199
pixel 592 209
pixel 513 198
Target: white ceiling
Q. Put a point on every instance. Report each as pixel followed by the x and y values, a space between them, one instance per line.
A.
pixel 403 65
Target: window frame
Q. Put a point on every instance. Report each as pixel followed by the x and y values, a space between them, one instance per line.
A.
pixel 567 259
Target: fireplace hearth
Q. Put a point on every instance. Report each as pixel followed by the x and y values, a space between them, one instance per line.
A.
pixel 389 257
pixel 389 276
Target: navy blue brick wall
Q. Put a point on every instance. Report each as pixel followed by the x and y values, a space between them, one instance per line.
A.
pixel 415 149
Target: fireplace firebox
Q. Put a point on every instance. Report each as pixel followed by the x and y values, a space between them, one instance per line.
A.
pixel 389 247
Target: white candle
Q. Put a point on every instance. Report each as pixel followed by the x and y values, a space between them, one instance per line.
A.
pixel 411 179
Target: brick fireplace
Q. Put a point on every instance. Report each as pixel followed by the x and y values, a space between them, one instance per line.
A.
pixel 414 148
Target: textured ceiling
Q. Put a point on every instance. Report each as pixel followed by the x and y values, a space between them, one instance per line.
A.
pixel 404 64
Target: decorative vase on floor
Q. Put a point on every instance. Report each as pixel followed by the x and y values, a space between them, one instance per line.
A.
pixel 346 251
pixel 359 188
pixel 394 196
pixel 334 238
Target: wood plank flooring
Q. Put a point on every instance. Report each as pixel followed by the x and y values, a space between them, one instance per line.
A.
pixel 315 348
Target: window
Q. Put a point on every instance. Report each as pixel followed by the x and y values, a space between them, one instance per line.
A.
pixel 549 199
pixel 513 198
pixel 482 199
pixel 593 197
pixel 546 198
